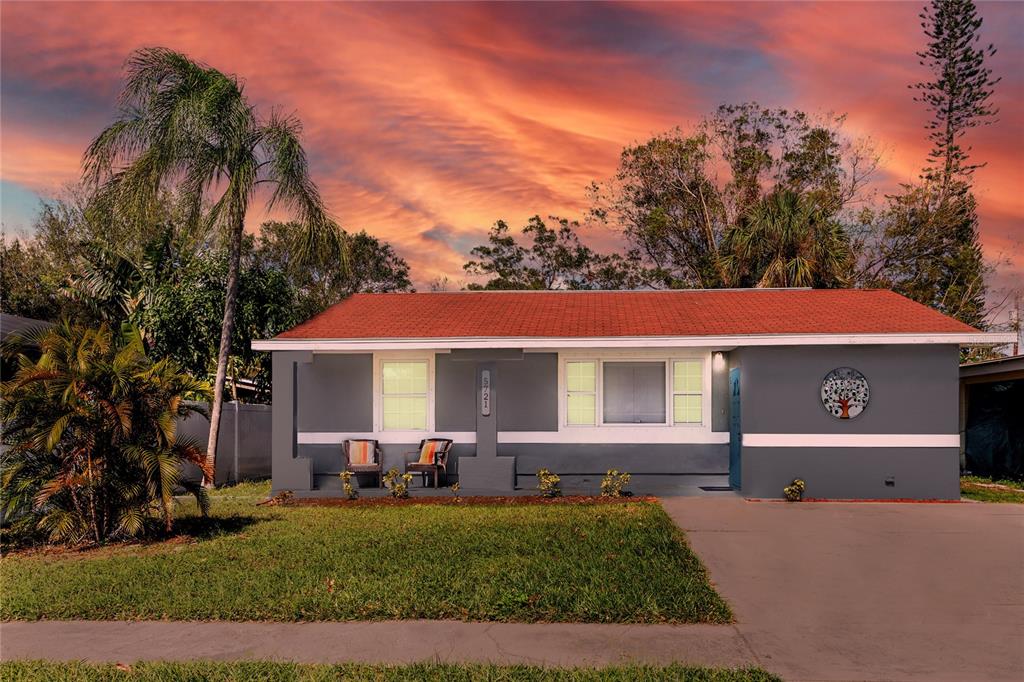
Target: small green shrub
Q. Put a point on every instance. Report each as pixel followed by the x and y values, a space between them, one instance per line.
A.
pixel 397 483
pixel 547 483
pixel 614 482
pixel 794 492
pixel 346 485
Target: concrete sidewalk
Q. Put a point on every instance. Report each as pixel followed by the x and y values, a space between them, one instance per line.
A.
pixel 827 592
pixel 570 644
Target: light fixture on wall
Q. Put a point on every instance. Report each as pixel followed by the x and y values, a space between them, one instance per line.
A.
pixel 718 361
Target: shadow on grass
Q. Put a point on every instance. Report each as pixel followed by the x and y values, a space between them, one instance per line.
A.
pixel 209 527
pixel 186 530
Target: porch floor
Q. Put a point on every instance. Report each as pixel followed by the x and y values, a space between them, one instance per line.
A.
pixel 663 485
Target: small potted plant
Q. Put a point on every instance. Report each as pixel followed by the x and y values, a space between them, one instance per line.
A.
pixel 794 492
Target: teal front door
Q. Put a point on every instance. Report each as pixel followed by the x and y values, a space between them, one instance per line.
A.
pixel 735 435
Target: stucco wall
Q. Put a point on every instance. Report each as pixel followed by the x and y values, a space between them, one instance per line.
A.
pixel 455 386
pixel 913 391
pixel 528 393
pixel 597 458
pixel 336 393
pixel 528 389
pixel 854 473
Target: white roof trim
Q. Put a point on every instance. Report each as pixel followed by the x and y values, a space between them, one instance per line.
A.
pixel 534 342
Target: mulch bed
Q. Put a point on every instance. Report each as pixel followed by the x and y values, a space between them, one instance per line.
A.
pixel 458 501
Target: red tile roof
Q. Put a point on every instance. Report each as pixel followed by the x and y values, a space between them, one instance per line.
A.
pixel 554 314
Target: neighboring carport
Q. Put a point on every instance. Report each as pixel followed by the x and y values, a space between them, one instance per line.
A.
pixel 992 417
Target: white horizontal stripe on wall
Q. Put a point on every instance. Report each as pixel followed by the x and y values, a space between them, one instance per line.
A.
pixel 612 435
pixel 384 437
pixel 851 440
pixel 617 435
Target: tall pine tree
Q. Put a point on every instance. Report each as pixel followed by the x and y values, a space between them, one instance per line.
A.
pixel 959 94
pixel 949 270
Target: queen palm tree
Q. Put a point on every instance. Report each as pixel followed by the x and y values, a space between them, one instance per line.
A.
pixel 787 240
pixel 188 127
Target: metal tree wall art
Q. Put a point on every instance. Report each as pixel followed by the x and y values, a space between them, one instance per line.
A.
pixel 844 392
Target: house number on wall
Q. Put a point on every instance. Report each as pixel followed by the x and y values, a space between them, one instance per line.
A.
pixel 485 393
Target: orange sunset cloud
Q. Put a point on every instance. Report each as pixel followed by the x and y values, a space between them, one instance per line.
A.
pixel 427 122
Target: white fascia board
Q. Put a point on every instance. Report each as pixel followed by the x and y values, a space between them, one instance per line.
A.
pixel 363 345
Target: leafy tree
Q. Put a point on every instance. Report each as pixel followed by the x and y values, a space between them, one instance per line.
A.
pixel 925 247
pixel 555 259
pixel 189 126
pixel 787 240
pixel 184 318
pixel 669 208
pixel 37 265
pixel 372 266
pixel 91 450
pixel 28 285
pixel 673 208
pixel 73 246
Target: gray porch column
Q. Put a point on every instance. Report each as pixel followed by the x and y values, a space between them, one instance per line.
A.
pixel 487 471
pixel 288 470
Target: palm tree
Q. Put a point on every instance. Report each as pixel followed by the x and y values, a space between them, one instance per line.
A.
pixel 186 126
pixel 115 287
pixel 786 240
pixel 90 434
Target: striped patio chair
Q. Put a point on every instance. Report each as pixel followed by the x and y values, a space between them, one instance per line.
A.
pixel 363 457
pixel 432 458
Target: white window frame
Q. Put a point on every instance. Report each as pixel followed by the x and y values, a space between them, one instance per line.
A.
pixel 679 391
pixel 564 381
pixel 666 429
pixel 411 435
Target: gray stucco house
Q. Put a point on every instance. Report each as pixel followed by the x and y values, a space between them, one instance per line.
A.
pixel 854 391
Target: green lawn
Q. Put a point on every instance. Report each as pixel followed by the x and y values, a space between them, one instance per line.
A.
pixel 35 671
pixel 986 490
pixel 569 562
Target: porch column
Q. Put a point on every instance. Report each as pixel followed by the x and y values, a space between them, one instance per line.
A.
pixel 288 470
pixel 487 471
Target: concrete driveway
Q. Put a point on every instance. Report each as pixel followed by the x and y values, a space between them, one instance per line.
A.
pixel 865 591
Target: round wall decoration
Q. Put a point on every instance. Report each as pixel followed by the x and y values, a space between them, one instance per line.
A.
pixel 844 392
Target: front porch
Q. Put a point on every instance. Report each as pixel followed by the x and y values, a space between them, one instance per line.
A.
pixel 660 414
